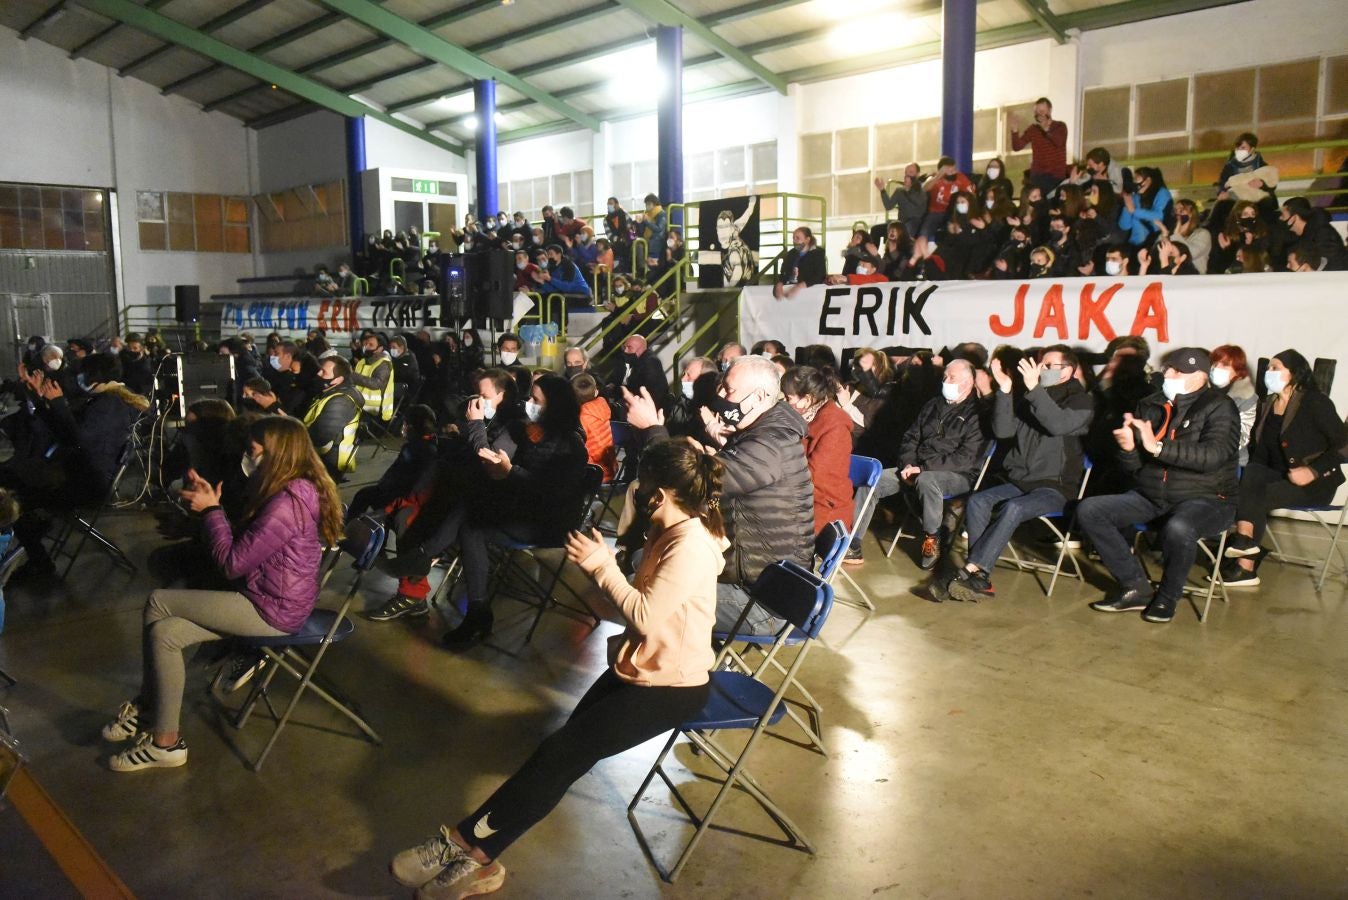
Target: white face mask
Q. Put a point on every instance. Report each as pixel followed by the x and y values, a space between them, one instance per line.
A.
pixel 1242 155
pixel 275 362
pixel 1220 376
pixel 989 203
pixel 533 410
pixel 1050 377
pixel 961 207
pixel 950 391
pixel 1275 381
pixel 521 265
pixel 488 408
pixel 508 357
pixel 395 352
pixel 54 364
pixel 670 243
pixel 994 173
pixel 1113 266
pixel 865 270
pixel 584 238
pixel 687 387
pixel 1173 387
pixel 249 465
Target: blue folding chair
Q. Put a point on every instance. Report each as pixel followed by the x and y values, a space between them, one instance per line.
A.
pixel 908 503
pixel 363 541
pixel 864 472
pixel 830 549
pixel 624 441
pixel 739 702
pixel 1316 513
pixel 1064 537
pixel 535 592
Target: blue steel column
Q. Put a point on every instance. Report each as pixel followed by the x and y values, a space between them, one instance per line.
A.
pixel 484 108
pixel 669 140
pixel 355 195
pixel 960 28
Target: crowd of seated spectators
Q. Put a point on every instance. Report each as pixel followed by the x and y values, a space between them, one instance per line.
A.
pixel 1088 218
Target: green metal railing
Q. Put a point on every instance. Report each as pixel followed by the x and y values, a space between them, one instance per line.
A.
pixel 645 255
pixel 665 313
pixel 361 286
pixel 1196 191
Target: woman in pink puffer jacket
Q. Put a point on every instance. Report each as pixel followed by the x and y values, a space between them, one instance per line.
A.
pixel 274 557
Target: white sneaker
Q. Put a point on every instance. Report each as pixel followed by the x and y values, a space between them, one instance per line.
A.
pixel 464 877
pixel 125 726
pixel 238 670
pixel 1073 544
pixel 423 862
pixel 145 755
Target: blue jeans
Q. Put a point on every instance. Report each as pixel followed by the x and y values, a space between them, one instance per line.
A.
pixel 988 538
pixel 1102 518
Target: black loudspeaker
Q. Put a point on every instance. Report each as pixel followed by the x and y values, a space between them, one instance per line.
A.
pixel 454 298
pixel 186 303
pixel 493 285
pixel 204 375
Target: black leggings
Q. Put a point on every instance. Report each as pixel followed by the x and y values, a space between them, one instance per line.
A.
pixel 613 716
pixel 1263 490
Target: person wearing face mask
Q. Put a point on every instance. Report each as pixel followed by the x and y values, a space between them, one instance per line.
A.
pixel 1047 140
pixel 638 369
pixel 1189 230
pixel 867 271
pixel 575 361
pixel 406 370
pixel 334 416
pixel 1310 229
pixel 908 197
pixel 532 497
pixel 940 454
pixel 994 178
pixel 74 450
pixel 657 679
pixel 548 230
pixel 508 349
pixel 804 265
pixel 472 351
pixel 373 376
pixel 584 252
pixel 941 190
pixel 568 226
pixel 278 365
pixel 1230 374
pixel 697 386
pixel 654 228
pixel 1182 448
pixel 618 228
pixel 768 498
pixel 1044 467
pixel 596 417
pixel 137 374
pixel 527 275
pixel 1294 460
pixel 1148 211
pixel 828 442
pixel 1244 159
pixel 413 461
pixel 563 275
pixel 258 397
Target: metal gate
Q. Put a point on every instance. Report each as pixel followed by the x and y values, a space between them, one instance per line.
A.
pixel 21 317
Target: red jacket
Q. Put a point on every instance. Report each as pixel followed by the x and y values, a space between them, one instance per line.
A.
pixel 828 450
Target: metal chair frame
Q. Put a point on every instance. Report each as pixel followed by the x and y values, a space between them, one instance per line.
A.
pixel 1316 513
pixel 910 511
pixel 86 522
pixel 623 436
pixel 1064 536
pixel 864 473
pixel 1214 580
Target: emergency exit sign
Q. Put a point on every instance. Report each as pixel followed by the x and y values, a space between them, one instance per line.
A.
pixel 425 187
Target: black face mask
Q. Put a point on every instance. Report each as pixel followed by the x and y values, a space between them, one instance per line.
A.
pixel 573 371
pixel 323 383
pixel 951 177
pixel 630 358
pixel 729 413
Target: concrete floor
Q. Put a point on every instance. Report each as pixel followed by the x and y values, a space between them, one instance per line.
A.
pixel 1022 747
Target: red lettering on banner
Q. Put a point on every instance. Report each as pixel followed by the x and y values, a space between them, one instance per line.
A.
pixel 350 319
pixel 1003 330
pixel 1093 311
pixel 1151 313
pixel 1051 313
pixel 323 310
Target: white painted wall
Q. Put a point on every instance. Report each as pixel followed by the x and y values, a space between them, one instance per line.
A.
pixel 75 122
pixel 388 147
pixel 307 150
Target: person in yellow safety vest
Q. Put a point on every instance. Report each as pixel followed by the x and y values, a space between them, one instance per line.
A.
pixel 373 375
pixel 333 418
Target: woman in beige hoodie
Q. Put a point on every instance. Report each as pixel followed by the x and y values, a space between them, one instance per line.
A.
pixel 658 678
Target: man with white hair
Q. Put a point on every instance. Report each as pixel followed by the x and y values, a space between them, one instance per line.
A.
pixel 768 497
pixel 941 452
pixel 639 368
pixel 728 353
pixel 575 360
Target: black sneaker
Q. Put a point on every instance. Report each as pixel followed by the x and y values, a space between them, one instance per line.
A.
pixel 970 587
pixel 931 552
pixel 398 607
pixel 1238 546
pixel 1240 578
pixel 1130 600
pixel 853 557
pixel 1160 610
pixel 938 589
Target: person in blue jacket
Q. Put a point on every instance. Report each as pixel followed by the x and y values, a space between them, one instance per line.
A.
pixel 564 276
pixel 1149 209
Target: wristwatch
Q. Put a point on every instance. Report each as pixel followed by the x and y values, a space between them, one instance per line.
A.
pixel 1157 451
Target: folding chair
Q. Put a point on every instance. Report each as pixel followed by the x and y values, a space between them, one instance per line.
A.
pixel 1215 579
pixel 864 472
pixel 740 702
pixel 324 627
pixel 624 441
pixel 1064 538
pixel 86 521
pixel 541 597
pixel 830 546
pixel 407 398
pixel 908 503
pixel 1316 513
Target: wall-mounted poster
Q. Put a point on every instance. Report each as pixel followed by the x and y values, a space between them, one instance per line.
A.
pixel 727 253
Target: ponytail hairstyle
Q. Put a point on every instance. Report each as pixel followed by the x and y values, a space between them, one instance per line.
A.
pixel 693 477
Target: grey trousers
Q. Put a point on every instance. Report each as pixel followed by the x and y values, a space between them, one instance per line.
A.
pixel 176 620
pixel 932 488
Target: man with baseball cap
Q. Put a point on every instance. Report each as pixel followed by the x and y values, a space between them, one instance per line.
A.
pixel 1181 448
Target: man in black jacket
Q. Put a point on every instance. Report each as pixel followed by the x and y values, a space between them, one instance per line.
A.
pixel 334 417
pixel 767 493
pixel 941 453
pixel 1311 230
pixel 1182 448
pixel 1043 468
pixel 638 368
pixel 406 369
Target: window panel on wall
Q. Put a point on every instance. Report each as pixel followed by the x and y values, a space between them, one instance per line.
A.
pixel 819 186
pixel 985 131
pixel 1207 171
pixel 699 172
pixel 582 186
pixel 1224 99
pixel 561 190
pixel 854 194
pixel 542 190
pixel 730 166
pixel 1176 173
pixel 53 232
pixel 816 154
pixel 503 196
pixel 853 148
pixel 180 208
pixel 1163 107
pixel 1288 91
pixel 763 158
pixel 894 144
pixel 1336 85
pixel 769 207
pixel 927 140
pixel 738 190
pixel 522 196
pixel 645 179
pixel 153 236
pixel 620 177
pixel 1104 117
pixel 1292 163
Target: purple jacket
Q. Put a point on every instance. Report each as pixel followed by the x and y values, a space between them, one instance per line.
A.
pixel 278 556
